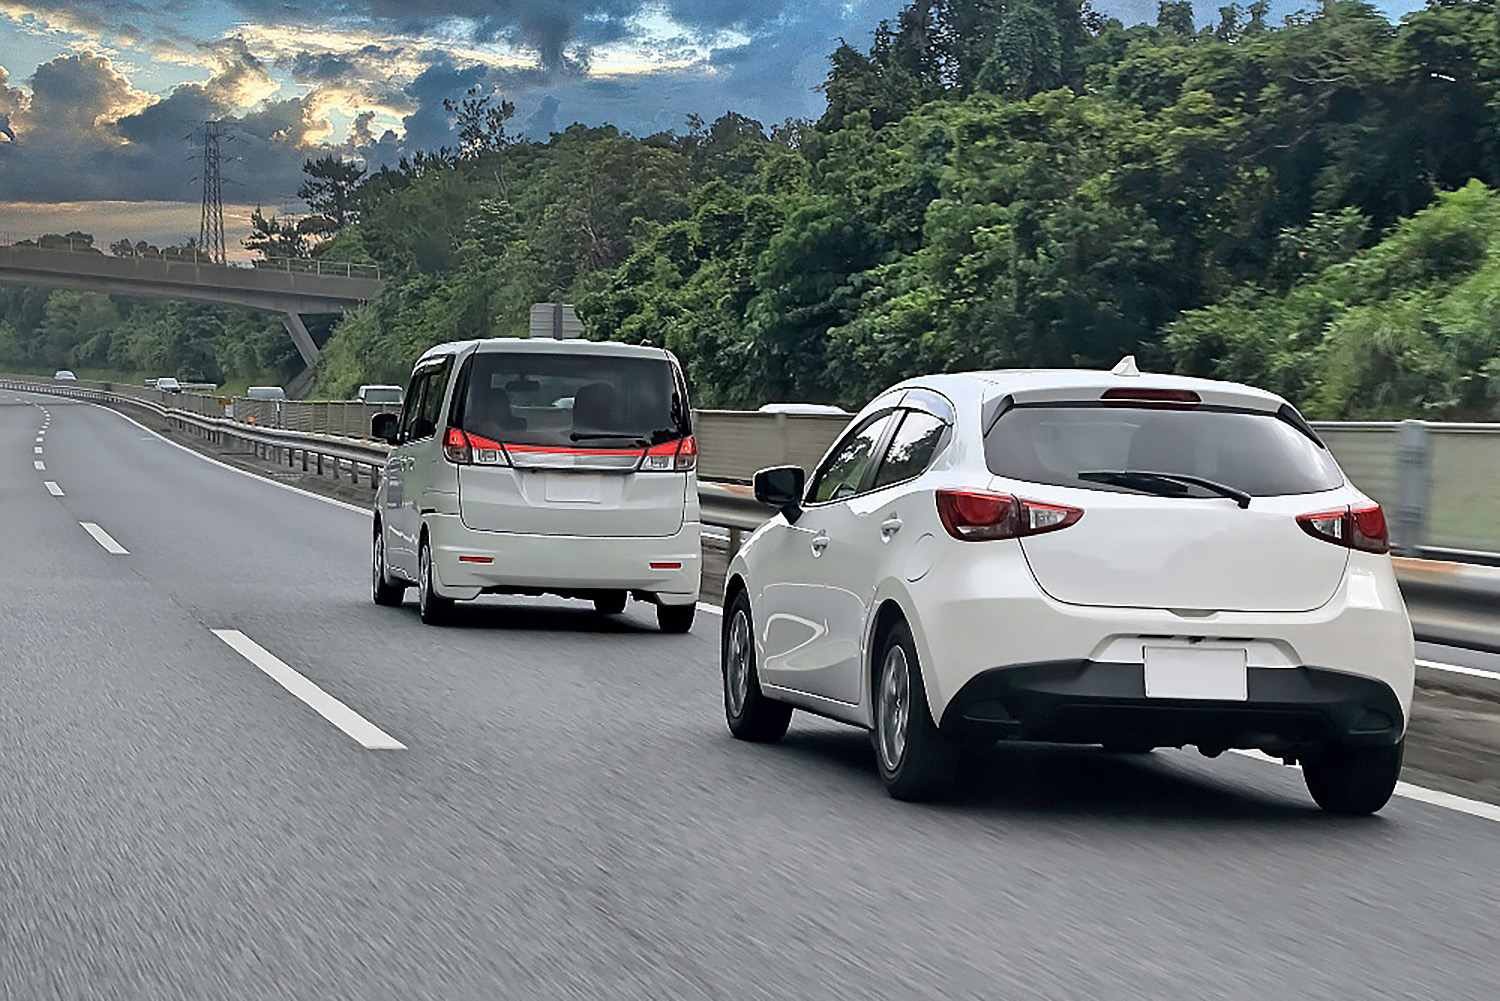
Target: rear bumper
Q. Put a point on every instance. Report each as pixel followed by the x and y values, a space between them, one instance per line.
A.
pixel 563 564
pixel 1089 702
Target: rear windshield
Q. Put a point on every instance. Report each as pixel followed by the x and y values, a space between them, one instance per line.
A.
pixel 573 400
pixel 382 396
pixel 1260 454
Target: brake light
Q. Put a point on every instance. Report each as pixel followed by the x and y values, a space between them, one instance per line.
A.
pixel 679 456
pixel 464 449
pixel 1361 528
pixel 1155 399
pixel 977 517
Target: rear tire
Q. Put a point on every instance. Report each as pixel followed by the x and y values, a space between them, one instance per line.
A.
pixel 612 603
pixel 918 762
pixel 1353 781
pixel 676 618
pixel 436 610
pixel 751 716
pixel 385 592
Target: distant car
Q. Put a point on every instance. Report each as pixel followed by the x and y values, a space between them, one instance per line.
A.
pixel 808 409
pixel 1113 558
pixel 169 385
pixel 63 375
pixel 265 393
pixel 380 394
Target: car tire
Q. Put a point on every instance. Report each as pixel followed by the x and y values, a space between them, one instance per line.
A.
pixel 918 762
pixel 676 618
pixel 435 609
pixel 751 716
pixel 1353 781
pixel 385 592
pixel 611 603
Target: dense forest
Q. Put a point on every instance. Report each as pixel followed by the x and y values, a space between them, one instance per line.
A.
pixel 1310 206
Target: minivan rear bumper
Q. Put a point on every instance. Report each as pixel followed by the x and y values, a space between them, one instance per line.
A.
pixel 1105 703
pixel 469 562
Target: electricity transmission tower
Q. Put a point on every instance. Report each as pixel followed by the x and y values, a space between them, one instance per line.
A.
pixel 211 228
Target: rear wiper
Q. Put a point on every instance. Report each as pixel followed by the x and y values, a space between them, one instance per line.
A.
pixel 1143 480
pixel 634 439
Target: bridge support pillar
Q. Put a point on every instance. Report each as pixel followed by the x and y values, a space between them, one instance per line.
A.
pixel 300 337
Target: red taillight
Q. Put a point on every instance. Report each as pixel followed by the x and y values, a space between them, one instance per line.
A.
pixel 679 456
pixel 1158 399
pixel 464 449
pixel 976 517
pixel 1361 528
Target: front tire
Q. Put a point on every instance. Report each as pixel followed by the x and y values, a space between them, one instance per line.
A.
pixel 385 593
pixel 676 618
pixel 918 762
pixel 436 610
pixel 1353 781
pixel 751 716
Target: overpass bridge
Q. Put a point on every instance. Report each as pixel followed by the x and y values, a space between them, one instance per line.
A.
pixel 288 287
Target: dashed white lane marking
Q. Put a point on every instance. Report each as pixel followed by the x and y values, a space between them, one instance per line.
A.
pixel 37 450
pixel 1422 794
pixel 325 705
pixel 103 538
pixel 39 465
pixel 1472 672
pixel 704 606
pixel 53 488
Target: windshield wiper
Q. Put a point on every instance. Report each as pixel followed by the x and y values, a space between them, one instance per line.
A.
pixel 1144 480
pixel 634 439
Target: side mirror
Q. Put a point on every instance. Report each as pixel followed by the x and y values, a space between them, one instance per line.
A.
pixel 386 427
pixel 781 487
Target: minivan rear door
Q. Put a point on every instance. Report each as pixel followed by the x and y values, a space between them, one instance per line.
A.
pixel 1159 543
pixel 573 443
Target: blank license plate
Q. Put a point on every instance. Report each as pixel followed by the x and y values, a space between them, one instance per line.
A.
pixel 574 488
pixel 1195 673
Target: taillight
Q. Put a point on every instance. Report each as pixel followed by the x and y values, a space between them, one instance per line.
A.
pixel 1152 399
pixel 679 456
pixel 976 517
pixel 1361 528
pixel 464 449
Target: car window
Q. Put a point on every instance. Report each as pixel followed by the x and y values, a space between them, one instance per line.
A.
pixel 912 447
pixel 1258 453
pixel 571 400
pixel 843 472
pixel 415 397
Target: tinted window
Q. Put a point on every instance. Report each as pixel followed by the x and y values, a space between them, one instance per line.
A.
pixel 911 448
pixel 844 470
pixel 431 410
pixel 424 403
pixel 1257 453
pixel 568 399
pixel 382 396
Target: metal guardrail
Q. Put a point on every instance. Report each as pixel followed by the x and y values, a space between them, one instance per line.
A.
pixel 194 255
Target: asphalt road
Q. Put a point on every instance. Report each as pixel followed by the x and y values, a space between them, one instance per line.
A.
pixel 569 817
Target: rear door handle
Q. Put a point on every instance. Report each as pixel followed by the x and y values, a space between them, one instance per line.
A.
pixel 890 527
pixel 819 543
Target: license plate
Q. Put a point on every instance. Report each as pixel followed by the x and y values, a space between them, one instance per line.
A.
pixel 1196 673
pixel 574 488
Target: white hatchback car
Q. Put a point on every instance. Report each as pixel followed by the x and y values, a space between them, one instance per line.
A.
pixel 1078 557
pixel 493 487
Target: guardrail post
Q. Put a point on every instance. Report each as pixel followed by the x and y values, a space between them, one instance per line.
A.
pixel 1413 486
pixel 734 542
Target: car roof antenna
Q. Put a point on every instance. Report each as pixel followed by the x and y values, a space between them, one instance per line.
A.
pixel 1126 367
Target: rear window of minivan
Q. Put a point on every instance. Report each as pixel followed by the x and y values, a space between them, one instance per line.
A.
pixel 572 400
pixel 1258 453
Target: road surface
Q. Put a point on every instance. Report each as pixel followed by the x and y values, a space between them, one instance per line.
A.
pixel 202 796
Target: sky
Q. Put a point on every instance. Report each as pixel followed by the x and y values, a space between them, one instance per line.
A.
pixel 99 99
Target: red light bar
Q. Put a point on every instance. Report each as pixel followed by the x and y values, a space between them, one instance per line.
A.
pixel 666 566
pixel 476 559
pixel 1164 399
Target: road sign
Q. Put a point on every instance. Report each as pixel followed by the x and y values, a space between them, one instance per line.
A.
pixel 555 320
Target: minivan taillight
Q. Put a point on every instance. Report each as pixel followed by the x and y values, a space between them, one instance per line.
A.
pixel 464 449
pixel 679 456
pixel 1361 528
pixel 978 517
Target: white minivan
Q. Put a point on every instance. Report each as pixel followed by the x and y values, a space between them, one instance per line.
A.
pixel 495 486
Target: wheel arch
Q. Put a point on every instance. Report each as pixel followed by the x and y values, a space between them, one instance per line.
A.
pixel 893 604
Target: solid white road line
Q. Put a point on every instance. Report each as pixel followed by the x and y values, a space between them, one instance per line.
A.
pixel 39 465
pixel 53 488
pixel 102 537
pixel 325 705
pixel 1472 672
pixel 704 606
pixel 1422 794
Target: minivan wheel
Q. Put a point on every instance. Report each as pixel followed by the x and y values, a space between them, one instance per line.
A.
pixel 751 716
pixel 384 591
pixel 610 603
pixel 918 762
pixel 1353 781
pixel 676 618
pixel 436 610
